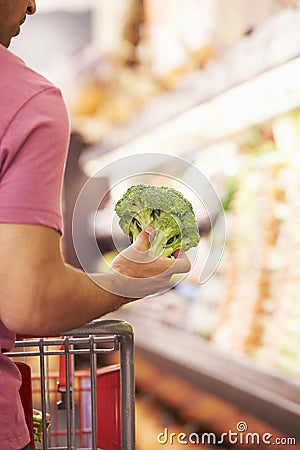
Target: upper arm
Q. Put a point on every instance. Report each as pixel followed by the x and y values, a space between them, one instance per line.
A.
pixel 32 158
pixel 29 255
pixel 40 294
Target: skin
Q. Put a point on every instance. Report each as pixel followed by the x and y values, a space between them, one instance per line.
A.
pixel 12 15
pixel 40 294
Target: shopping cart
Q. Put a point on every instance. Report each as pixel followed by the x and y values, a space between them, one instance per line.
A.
pixel 96 409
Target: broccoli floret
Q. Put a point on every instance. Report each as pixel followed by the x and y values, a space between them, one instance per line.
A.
pixel 166 210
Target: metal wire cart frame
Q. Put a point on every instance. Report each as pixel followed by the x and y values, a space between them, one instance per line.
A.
pixel 111 423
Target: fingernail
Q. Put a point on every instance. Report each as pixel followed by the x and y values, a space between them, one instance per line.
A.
pixel 177 253
pixel 151 233
pixel 149 230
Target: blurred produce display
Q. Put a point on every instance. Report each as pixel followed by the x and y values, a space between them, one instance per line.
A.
pixel 259 312
pixel 113 86
pixel 160 44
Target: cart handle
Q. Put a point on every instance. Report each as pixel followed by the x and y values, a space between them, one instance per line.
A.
pixel 100 326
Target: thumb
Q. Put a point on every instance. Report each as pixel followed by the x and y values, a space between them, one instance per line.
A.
pixel 143 241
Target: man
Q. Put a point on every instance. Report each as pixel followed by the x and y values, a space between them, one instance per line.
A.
pixel 40 294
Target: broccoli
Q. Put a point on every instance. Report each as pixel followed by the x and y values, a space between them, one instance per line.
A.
pixel 166 210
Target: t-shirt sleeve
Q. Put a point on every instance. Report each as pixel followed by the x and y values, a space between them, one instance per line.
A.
pixel 32 160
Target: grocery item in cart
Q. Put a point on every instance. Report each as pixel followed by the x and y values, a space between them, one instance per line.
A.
pixel 38 424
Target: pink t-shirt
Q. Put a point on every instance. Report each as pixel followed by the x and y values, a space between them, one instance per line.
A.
pixel 34 139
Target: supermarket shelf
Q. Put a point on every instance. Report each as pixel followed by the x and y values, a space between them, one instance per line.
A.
pixel 191 405
pixel 266 394
pixel 227 91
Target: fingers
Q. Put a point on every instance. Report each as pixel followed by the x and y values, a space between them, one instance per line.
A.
pixel 136 273
pixel 148 273
pixel 181 263
pixel 141 264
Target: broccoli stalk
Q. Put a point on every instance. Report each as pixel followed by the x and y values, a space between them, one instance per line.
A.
pixel 167 237
pixel 166 210
pixel 138 222
pixel 161 246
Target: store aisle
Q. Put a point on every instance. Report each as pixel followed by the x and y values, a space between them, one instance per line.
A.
pixel 149 428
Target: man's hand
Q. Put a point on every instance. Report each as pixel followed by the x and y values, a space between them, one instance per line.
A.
pixel 137 273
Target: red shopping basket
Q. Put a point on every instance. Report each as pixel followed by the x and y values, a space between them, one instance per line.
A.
pixel 107 398
pixel 108 405
pixel 108 408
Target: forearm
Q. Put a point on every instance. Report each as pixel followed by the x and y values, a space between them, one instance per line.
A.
pixel 67 298
pixel 41 295
pixel 75 299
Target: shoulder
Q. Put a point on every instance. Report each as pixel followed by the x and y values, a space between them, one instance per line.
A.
pixel 15 70
pixel 18 82
pixel 22 88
